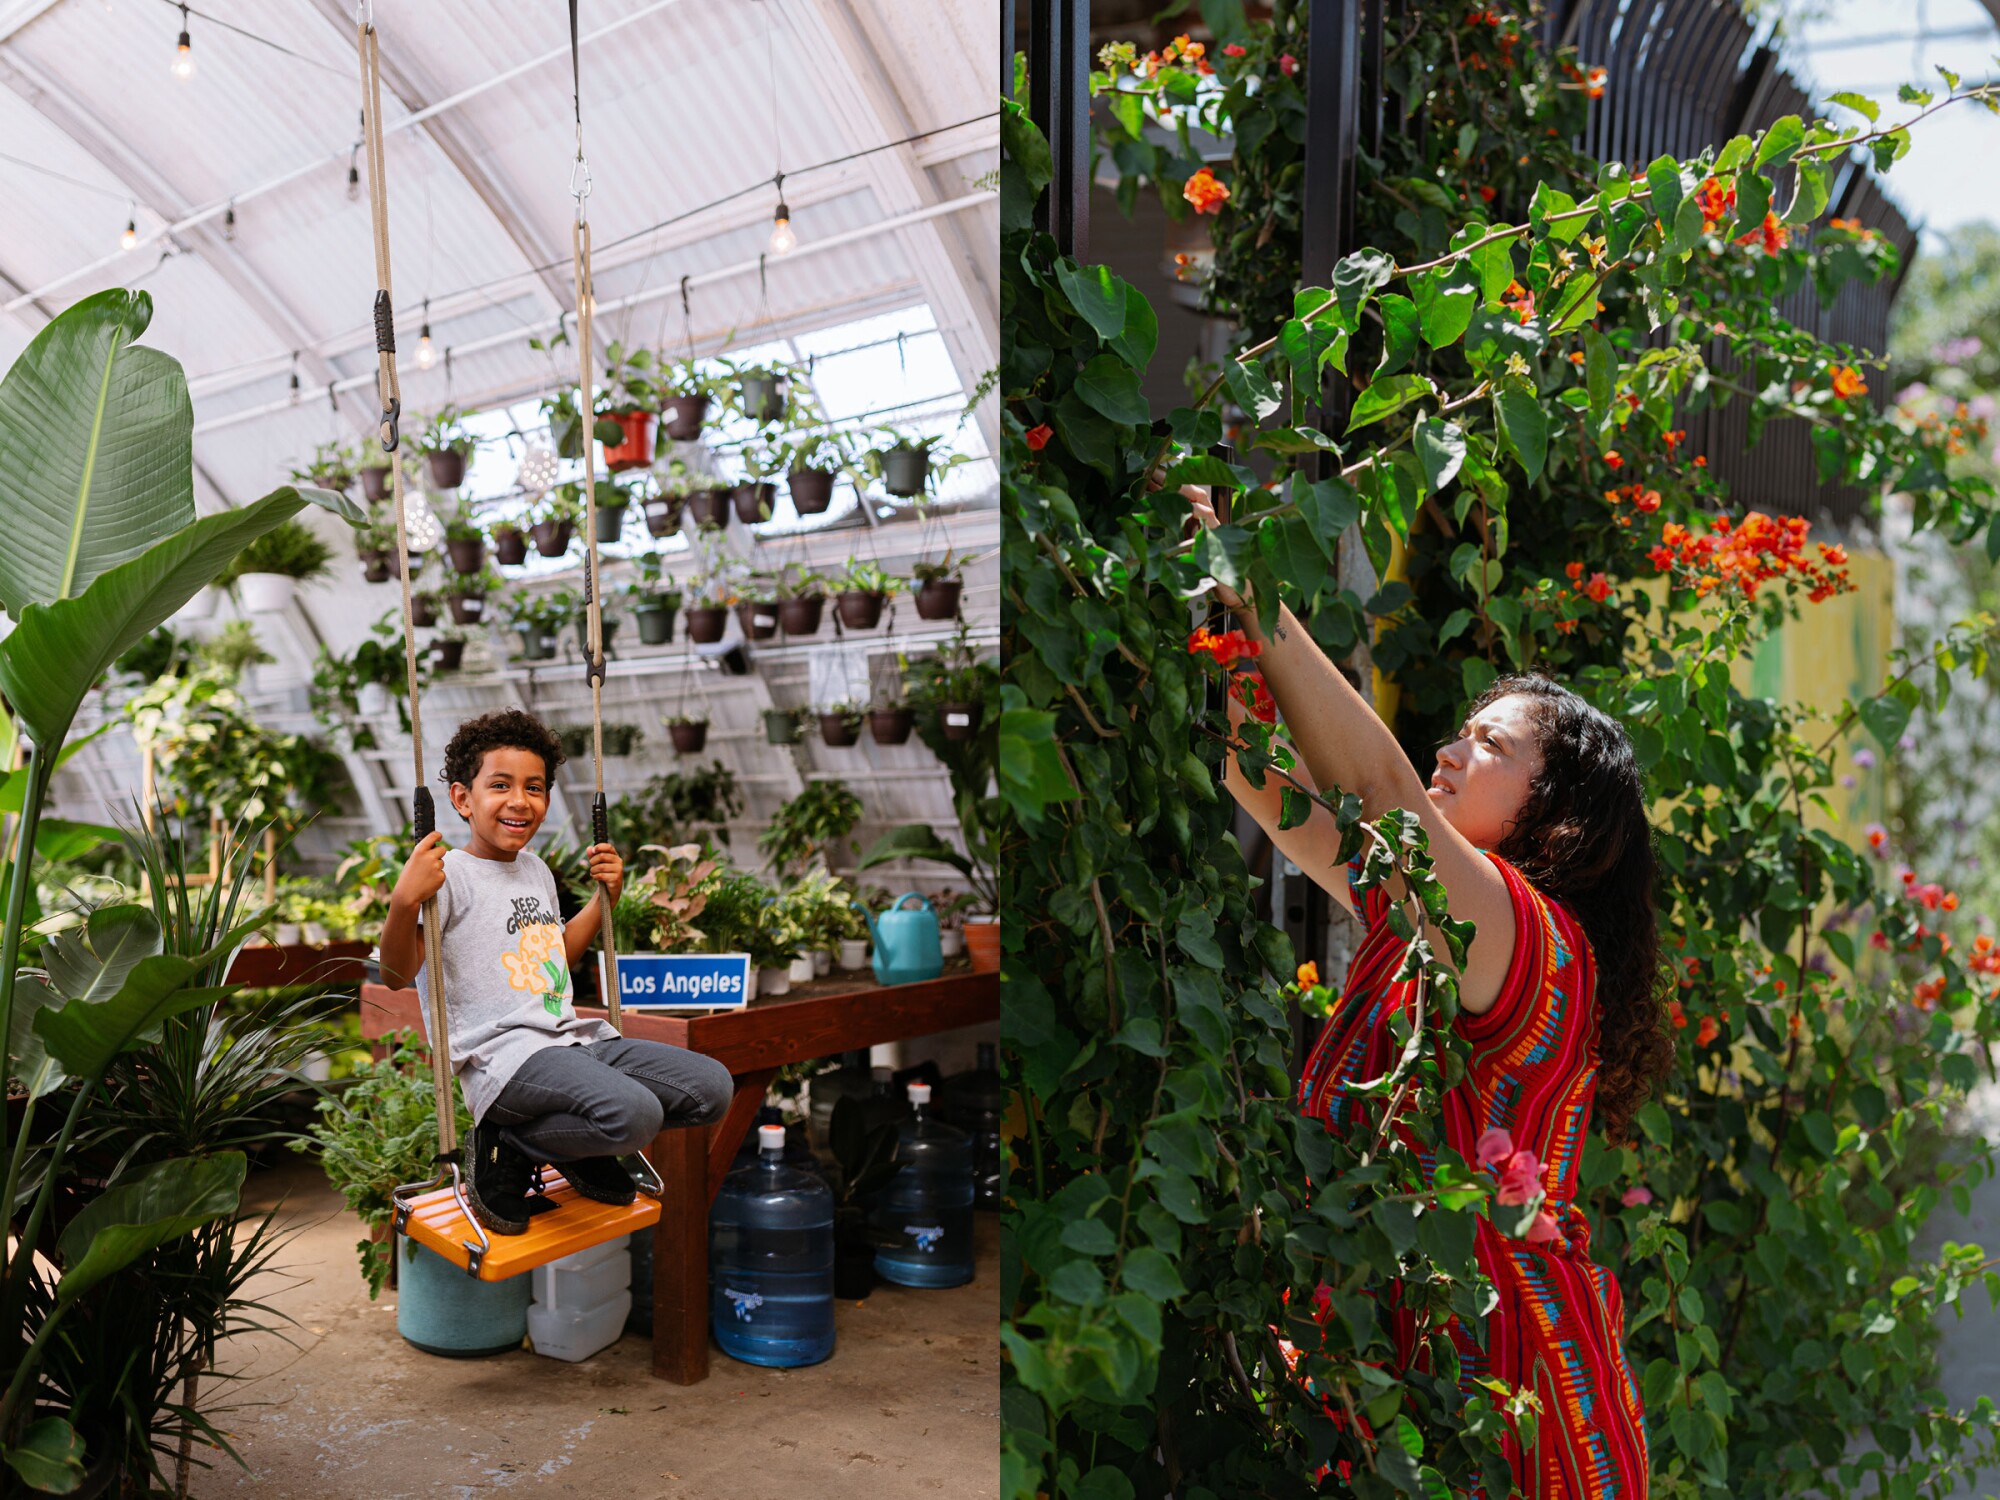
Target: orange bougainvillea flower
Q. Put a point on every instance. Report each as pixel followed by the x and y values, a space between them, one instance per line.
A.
pixel 1308 974
pixel 1646 500
pixel 1233 50
pixel 1249 690
pixel 1715 199
pixel 1925 996
pixel 1613 459
pixel 1288 64
pixel 1847 382
pixel 1037 437
pixel 1576 358
pixel 1594 82
pixel 1770 233
pixel 1205 193
pixel 1227 649
pixel 1575 571
pixel 1708 1032
pixel 1519 300
pixel 1599 588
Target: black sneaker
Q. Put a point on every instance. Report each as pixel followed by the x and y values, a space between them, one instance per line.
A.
pixel 599 1178
pixel 497 1186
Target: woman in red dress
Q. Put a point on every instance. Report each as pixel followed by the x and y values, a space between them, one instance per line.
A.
pixel 1536 817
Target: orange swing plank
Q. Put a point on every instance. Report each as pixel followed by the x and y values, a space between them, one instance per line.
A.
pixel 576 1223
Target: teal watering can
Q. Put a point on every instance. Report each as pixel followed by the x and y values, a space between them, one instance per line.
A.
pixel 906 942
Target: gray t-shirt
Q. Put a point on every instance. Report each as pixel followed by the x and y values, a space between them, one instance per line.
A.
pixel 506 975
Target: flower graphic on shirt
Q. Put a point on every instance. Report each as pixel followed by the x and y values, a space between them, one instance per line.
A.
pixel 538 966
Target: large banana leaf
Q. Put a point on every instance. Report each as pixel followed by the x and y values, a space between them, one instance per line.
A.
pixel 84 1035
pixel 93 962
pixel 162 1203
pixel 96 451
pixel 58 650
pixel 28 1061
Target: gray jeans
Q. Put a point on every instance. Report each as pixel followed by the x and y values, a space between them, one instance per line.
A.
pixel 607 1098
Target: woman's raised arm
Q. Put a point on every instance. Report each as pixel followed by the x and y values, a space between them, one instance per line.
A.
pixel 1314 846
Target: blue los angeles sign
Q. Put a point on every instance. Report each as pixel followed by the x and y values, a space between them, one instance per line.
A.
pixel 681 981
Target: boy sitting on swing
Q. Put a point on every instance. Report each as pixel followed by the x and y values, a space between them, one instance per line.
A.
pixel 542 1083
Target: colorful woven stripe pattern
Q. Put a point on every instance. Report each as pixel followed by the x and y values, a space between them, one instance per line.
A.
pixel 1559 1326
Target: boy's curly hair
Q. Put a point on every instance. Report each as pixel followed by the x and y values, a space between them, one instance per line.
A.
pixel 503 729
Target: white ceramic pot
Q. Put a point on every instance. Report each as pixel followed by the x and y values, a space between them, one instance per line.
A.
pixel 317 1067
pixel 822 962
pixel 854 953
pixel 373 699
pixel 951 942
pixel 288 934
pixel 315 934
pixel 201 606
pixel 774 981
pixel 802 970
pixel 265 593
pixel 750 986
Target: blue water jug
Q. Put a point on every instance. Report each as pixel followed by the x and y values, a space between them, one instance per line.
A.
pixel 927 1206
pixel 906 942
pixel 770 1259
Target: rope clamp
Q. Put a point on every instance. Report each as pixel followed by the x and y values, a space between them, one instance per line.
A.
pixel 392 415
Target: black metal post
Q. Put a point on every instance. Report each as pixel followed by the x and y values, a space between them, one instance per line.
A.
pixel 1059 102
pixel 1333 132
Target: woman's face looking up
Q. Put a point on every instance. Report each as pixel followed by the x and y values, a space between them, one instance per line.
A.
pixel 1482 777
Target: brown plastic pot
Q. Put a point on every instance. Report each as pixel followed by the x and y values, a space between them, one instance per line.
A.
pixel 801 616
pixel 375 482
pixel 891 726
pixel 904 471
pixel 468 554
pixel 682 416
pixel 510 548
pixel 755 502
pixel 450 655
pixel 759 619
pixel 468 609
pixel 812 490
pixel 937 598
pixel 663 517
pixel 960 721
pixel 447 468
pixel 707 624
pixel 689 738
pixel 859 609
pixel 423 609
pixel 710 508
pixel 552 538
pixel 839 730
pixel 635 449
pixel 375 567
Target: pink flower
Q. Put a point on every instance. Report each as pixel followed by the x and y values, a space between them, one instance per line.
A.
pixel 1493 1146
pixel 1521 1179
pixel 1289 64
pixel 1544 1228
pixel 1634 1196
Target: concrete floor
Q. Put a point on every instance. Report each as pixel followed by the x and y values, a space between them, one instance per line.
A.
pixel 909 1404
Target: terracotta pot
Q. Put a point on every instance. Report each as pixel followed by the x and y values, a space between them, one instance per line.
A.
pixel 839 730
pixel 937 598
pixel 663 517
pixel 656 624
pixel 423 609
pixel 447 468
pixel 689 738
pixel 682 417
pixel 859 609
pixel 891 726
pixel 450 655
pixel 960 721
pixel 468 554
pixel 635 450
pixel 755 502
pixel 812 490
pixel 375 483
pixel 467 609
pixel 510 548
pixel 801 616
pixel 759 620
pixel 982 944
pixel 904 471
pixel 375 567
pixel 710 508
pixel 552 537
pixel 707 624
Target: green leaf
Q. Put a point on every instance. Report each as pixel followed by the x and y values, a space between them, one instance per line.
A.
pixel 1355 277
pixel 1110 387
pixel 1329 507
pixel 1400 325
pixel 1861 104
pixel 1753 201
pixel 1440 449
pixel 1250 388
pixel 1651 1118
pixel 1090 1236
pixel 28 1060
pixel 1600 370
pixel 1150 1273
pixel 96 451
pixel 1550 201
pixel 913 841
pixel 1809 200
pixel 1445 299
pixel 1029 769
pixel 58 651
pixel 1136 341
pixel 1477 674
pixel 118 937
pixel 49 1457
pixel 84 1035
pixel 162 1203
pixel 1524 427
pixel 1663 179
pixel 1909 93
pixel 1779 142
pixel 1294 808
pixel 1387 396
pixel 1096 293
pixel 1886 718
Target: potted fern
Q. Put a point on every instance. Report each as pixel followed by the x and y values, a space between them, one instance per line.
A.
pixel 424 609
pixel 688 732
pixel 688 392
pixel 612 500
pixel 709 506
pixel 757 610
pixel 266 572
pixel 757 497
pixel 448 648
pixel 938 587
pixel 903 463
pixel 652 607
pixel 332 467
pixel 763 393
pixel 676 481
pixel 375 545
pixel 510 544
pixel 537 618
pixel 446 447
pixel 890 719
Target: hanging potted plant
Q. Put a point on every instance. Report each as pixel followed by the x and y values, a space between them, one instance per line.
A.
pixel 448 649
pixel 510 544
pixel 709 596
pixel 574 607
pixel 954 684
pixel 763 393
pixel 688 391
pixel 555 519
pixel 757 497
pixel 813 463
pixel 537 618
pixel 891 720
pixel 465 543
pixel 374 472
pixel 801 599
pixel 374 545
pixel 629 399
pixel 710 506
pixel 622 739
pixel 689 734
pixel 332 467
pixel 423 609
pixel 561 412
pixel 782 726
pixel 613 500
pixel 446 447
pixel 264 574
pixel 862 592
pixel 938 586
pixel 466 595
pixel 840 724
pixel 675 481
pixel 757 610
pixel 901 462
pixel 652 607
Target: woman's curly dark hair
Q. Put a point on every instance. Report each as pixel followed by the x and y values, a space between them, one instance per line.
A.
pixel 503 729
pixel 1582 837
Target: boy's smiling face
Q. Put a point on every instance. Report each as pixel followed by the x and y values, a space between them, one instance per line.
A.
pixel 506 802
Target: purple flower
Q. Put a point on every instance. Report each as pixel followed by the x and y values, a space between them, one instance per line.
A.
pixel 1864 758
pixel 1848 782
pixel 1982 406
pixel 1907 742
pixel 1916 390
pixel 1955 351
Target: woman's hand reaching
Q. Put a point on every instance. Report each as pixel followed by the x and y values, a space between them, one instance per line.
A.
pixel 1204 512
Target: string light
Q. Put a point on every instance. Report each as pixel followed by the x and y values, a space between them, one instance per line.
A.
pixel 420 526
pixel 184 51
pixel 783 239
pixel 426 355
pixel 539 467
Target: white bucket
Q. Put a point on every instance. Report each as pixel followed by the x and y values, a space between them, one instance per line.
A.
pixel 265 593
pixel 201 606
pixel 853 953
pixel 822 962
pixel 373 699
pixel 802 971
pixel 774 981
pixel 951 942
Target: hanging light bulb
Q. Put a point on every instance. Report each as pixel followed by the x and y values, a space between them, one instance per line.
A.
pixel 295 378
pixel 782 236
pixel 229 224
pixel 426 355
pixel 354 174
pixel 420 526
pixel 538 471
pixel 184 51
pixel 130 238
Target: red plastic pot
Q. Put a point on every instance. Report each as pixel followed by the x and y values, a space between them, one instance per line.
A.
pixel 510 548
pixel 468 554
pixel 937 598
pixel 635 449
pixel 707 624
pixel 759 619
pixel 891 726
pixel 801 616
pixel 710 508
pixel 859 609
pixel 682 417
pixel 812 490
pixel 755 502
pixel 689 738
pixel 982 944
pixel 447 468
pixel 552 537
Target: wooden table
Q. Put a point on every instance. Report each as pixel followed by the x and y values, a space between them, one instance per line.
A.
pixel 813 1020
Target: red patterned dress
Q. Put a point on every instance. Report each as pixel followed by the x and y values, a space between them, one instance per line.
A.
pixel 1560 1323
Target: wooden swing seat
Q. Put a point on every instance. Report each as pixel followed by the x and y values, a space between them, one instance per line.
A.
pixel 436 1222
